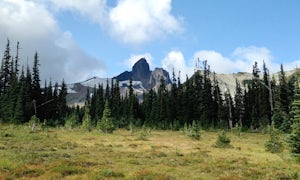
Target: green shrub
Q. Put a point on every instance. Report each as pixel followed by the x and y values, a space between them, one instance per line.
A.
pixel 72 121
pixel 192 131
pixel 237 130
pixel 275 143
pixel 109 173
pixel 294 138
pixel 223 141
pixel 67 170
pixel 34 123
pixel 143 134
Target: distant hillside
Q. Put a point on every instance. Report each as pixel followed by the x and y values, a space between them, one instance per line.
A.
pixel 144 79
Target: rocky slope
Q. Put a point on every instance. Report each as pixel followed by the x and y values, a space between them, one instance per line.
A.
pixel 142 80
pixel 141 72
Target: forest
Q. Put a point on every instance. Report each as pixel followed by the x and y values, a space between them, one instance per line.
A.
pixel 256 104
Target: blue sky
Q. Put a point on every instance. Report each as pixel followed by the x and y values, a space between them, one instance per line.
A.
pixel 80 39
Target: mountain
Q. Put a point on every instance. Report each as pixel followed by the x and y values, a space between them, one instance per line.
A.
pixel 141 72
pixel 143 79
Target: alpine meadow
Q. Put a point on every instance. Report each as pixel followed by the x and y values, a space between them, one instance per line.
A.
pixel 142 90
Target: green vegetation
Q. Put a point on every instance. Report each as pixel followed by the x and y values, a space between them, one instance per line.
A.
pixel 33 143
pixel 106 123
pixel 56 153
pixel 275 144
pixel 223 140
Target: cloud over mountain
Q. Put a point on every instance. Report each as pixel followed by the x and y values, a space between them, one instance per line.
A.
pixel 36 28
pixel 34 23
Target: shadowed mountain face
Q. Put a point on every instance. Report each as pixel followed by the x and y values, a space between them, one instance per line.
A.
pixel 143 80
pixel 141 72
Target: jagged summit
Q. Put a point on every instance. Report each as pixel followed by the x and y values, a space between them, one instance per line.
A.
pixel 143 79
pixel 141 72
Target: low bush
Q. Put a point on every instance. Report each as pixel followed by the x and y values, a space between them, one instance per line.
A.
pixel 223 141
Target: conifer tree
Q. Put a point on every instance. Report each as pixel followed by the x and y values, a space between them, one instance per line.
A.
pixel 172 113
pixel 294 138
pixel 106 123
pixel 62 104
pixel 16 70
pixel 36 88
pixel 86 120
pixel 207 99
pixel 93 106
pixel 28 106
pixel 99 101
pixel 217 103
pixel 283 102
pixel 6 68
pixel 255 98
pixel 19 114
pixel 116 100
pixel 239 103
pixel 265 104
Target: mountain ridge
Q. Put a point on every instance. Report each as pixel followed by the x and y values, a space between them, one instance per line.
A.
pixel 143 79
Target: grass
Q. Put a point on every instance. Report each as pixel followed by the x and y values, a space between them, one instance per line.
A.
pixel 57 153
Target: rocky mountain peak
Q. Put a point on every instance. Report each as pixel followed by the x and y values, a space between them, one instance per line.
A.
pixel 141 71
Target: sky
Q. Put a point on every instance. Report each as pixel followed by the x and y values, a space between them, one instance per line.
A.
pixel 78 39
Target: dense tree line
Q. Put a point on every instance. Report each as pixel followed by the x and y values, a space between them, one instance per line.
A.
pixel 255 105
pixel 21 95
pixel 199 102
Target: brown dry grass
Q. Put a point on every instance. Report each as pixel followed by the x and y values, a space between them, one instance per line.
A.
pixel 63 154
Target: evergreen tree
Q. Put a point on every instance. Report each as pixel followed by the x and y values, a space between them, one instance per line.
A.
pixel 239 103
pixel 284 91
pixel 72 121
pixel 179 101
pixel 265 110
pixel 217 103
pixel 162 100
pixel 28 105
pixel 62 103
pixel 283 103
pixel 16 70
pixel 99 102
pixel 19 114
pixel 116 100
pixel 86 120
pixel 229 109
pixel 36 88
pixel 93 106
pixel 6 69
pixel 106 123
pixel 294 138
pixel 172 113
pixel 207 99
pixel 254 94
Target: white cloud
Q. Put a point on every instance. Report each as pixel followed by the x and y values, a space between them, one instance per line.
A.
pixel 94 10
pixel 175 61
pixel 139 21
pixel 244 58
pixel 135 57
pixel 241 60
pixel 37 30
pixel 216 61
pixel 132 22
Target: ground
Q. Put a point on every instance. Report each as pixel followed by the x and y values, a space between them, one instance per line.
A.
pixel 57 153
